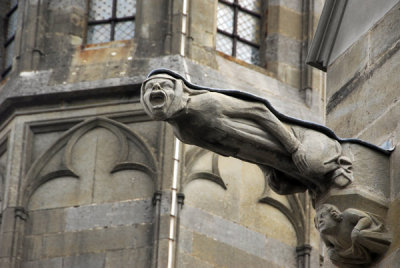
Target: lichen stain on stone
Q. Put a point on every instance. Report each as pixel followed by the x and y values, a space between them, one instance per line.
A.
pixel 100 61
pixel 100 53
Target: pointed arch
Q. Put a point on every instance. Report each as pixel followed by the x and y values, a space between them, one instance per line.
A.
pixel 194 154
pixel 294 211
pixel 39 173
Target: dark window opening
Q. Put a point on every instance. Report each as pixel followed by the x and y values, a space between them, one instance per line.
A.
pixel 10 28
pixel 110 20
pixel 238 29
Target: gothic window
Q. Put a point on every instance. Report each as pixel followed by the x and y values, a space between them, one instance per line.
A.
pixel 10 27
pixel 239 29
pixel 110 20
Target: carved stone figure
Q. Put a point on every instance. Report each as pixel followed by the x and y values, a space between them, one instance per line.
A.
pixel 298 155
pixel 353 237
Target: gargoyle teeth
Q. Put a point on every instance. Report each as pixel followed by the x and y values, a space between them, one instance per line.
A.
pixel 158 99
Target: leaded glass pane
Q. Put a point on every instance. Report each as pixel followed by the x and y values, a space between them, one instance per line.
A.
pixel 9 55
pixel 126 8
pixel 248 27
pixel 124 30
pixel 12 24
pixel 225 18
pixel 100 9
pixel 247 53
pixel 98 33
pixel 253 5
pixel 224 44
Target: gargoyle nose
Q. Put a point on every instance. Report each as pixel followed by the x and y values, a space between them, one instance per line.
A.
pixel 156 86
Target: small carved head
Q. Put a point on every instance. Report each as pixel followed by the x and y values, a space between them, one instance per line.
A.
pixel 162 96
pixel 327 218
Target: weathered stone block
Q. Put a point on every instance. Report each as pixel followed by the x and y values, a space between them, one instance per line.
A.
pixel 361 105
pixel 210 196
pixel 284 21
pixel 107 215
pixel 33 247
pixel 347 66
pixel 393 225
pixel 132 184
pixel 294 5
pixel 63 192
pixel 45 263
pixel 65 244
pixel 385 34
pixel 45 221
pixel 6 244
pixel 5 262
pixel 140 258
pixel 285 73
pixel 8 220
pixel 202 28
pixel 97 240
pixel 224 231
pixel 280 48
pixel 185 260
pixel 223 255
pixel 164 226
pixel 185 242
pixel 85 261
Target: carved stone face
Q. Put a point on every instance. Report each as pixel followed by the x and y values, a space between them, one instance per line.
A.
pixel 325 222
pixel 158 95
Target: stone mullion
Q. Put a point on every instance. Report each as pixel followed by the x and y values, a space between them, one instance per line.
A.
pixel 113 15
pixel 235 22
pixel 14 216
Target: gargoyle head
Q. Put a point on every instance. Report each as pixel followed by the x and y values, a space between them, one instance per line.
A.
pixel 162 96
pixel 327 218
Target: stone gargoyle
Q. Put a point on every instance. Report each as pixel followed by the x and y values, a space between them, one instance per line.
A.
pixel 298 155
pixel 352 237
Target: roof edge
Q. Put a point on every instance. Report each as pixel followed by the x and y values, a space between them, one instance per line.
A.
pixel 325 35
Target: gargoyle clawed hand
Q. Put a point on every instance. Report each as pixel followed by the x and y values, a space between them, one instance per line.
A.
pixel 300 159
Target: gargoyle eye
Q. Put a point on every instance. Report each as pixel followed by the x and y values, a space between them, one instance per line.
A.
pixel 168 84
pixel 149 85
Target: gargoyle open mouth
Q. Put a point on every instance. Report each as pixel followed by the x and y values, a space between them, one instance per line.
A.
pixel 158 99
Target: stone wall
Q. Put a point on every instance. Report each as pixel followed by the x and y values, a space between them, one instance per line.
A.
pixel 86 177
pixel 362 102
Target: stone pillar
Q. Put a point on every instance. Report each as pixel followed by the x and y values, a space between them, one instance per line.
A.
pixel 303 256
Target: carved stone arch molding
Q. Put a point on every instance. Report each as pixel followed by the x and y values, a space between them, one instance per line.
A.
pixel 41 172
pixel 294 210
pixel 191 157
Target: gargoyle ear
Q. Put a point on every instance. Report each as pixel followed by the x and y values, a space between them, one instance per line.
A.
pixel 142 101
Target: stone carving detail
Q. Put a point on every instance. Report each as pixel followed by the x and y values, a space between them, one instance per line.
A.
pixel 295 155
pixel 353 237
pixel 192 156
pixel 56 162
pixel 244 126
